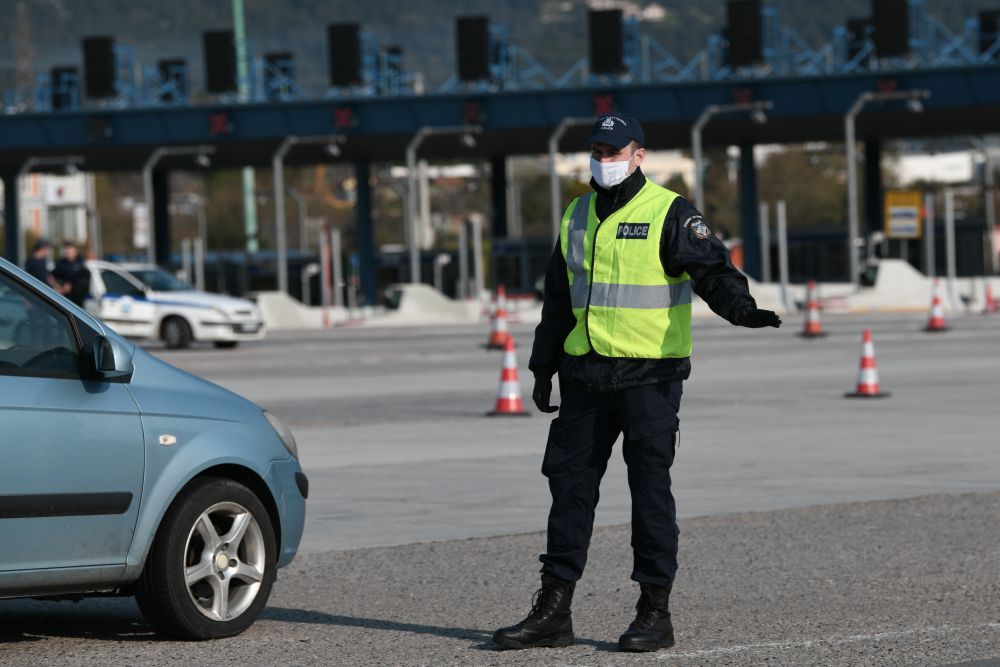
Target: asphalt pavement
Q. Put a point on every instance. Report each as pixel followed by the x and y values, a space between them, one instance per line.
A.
pixel 817 530
pixel 392 428
pixel 895 583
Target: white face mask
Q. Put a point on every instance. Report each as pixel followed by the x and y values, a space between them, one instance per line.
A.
pixel 609 174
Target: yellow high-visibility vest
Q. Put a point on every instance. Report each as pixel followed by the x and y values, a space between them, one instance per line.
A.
pixel 625 303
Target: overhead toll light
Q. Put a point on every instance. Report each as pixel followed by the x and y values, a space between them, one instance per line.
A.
pixel 607 43
pixel 468 140
pixel 219 51
pixel 890 20
pixel 759 117
pixel 99 67
pixel 744 33
pixel 472 47
pixel 344 54
pixel 203 160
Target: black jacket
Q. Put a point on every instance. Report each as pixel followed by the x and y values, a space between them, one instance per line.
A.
pixel 38 267
pixel 706 260
pixel 77 275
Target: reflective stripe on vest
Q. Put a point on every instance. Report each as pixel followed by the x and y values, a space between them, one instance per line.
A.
pixel 634 309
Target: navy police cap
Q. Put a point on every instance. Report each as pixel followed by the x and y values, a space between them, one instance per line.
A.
pixel 616 130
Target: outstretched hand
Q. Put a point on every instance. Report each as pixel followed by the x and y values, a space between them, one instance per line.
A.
pixel 542 393
pixel 758 319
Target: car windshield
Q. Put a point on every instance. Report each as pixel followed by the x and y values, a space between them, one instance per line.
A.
pixel 160 281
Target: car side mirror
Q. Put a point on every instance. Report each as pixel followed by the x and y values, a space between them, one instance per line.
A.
pixel 103 357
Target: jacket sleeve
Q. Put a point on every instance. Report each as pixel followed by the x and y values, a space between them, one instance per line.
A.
pixel 558 319
pixel 689 245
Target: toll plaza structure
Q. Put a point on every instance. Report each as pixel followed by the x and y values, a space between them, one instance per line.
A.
pixel 796 102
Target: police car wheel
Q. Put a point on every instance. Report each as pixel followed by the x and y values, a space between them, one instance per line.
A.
pixel 212 564
pixel 176 333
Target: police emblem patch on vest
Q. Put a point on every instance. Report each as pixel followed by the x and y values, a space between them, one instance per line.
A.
pixel 698 226
pixel 701 230
pixel 633 230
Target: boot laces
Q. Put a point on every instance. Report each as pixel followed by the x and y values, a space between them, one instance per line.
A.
pixel 544 600
pixel 539 601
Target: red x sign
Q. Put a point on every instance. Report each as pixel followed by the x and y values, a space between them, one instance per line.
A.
pixel 218 123
pixel 603 104
pixel 343 117
pixel 888 85
pixel 472 112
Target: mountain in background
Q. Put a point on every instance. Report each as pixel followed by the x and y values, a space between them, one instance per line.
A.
pixel 553 31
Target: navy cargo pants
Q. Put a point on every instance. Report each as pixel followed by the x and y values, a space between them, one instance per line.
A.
pixel 576 456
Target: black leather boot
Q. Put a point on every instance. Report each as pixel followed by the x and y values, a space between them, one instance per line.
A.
pixel 651 630
pixel 550 623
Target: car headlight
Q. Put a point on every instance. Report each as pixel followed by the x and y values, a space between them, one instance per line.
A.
pixel 284 434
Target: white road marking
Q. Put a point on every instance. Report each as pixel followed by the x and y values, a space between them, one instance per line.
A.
pixel 831 641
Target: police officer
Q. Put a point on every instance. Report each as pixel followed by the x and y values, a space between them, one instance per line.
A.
pixel 616 327
pixel 38 264
pixel 72 275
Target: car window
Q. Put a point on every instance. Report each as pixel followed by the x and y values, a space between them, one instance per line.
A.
pixel 36 338
pixel 116 284
pixel 160 280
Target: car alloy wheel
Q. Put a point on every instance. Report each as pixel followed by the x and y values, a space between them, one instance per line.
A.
pixel 211 566
pixel 224 561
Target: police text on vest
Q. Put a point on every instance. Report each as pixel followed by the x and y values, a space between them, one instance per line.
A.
pixel 633 230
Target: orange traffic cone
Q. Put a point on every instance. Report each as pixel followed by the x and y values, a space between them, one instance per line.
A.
pixel 867 374
pixel 499 335
pixel 936 322
pixel 991 303
pixel 509 402
pixel 813 328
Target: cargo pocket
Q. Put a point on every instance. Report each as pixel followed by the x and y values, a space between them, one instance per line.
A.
pixel 651 444
pixel 553 447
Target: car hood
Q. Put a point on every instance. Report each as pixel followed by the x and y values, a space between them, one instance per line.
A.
pixel 196 299
pixel 162 389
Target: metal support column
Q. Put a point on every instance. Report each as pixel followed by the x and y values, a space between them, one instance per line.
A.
pixel 950 260
pixel 498 182
pixel 748 212
pixel 463 261
pixel 337 262
pixel 765 242
pixel 874 195
pixel 782 220
pixel 555 199
pixel 412 205
pixel 160 217
pixel 366 231
pixel 930 251
pixel 11 217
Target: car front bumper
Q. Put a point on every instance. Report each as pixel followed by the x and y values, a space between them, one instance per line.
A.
pixel 285 477
pixel 230 331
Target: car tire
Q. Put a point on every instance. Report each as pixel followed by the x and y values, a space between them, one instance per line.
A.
pixel 226 344
pixel 212 564
pixel 176 333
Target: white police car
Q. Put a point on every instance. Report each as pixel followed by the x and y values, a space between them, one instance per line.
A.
pixel 144 301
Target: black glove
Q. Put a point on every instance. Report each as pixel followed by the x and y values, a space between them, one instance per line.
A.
pixel 541 394
pixel 757 319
